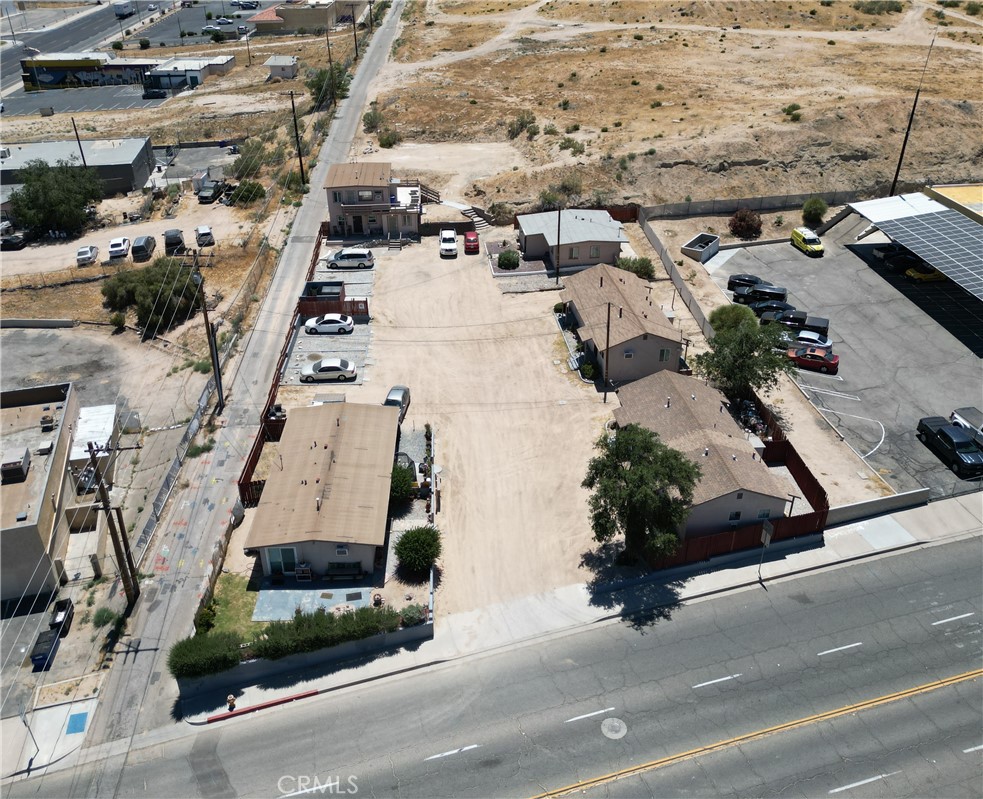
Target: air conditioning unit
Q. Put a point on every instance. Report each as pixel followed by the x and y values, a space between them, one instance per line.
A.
pixel 342 551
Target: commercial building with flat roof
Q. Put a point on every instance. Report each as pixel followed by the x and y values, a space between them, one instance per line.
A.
pixel 83 70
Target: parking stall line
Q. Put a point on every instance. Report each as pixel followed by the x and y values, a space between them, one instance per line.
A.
pixel 829 391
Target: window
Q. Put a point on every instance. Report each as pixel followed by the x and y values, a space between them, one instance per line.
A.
pixel 373 220
pixel 406 220
pixel 575 252
pixel 735 516
pixel 663 356
pixel 336 196
pixel 629 355
pixel 283 560
pixel 595 251
pixel 764 514
pixel 365 195
pixel 740 495
pixel 349 196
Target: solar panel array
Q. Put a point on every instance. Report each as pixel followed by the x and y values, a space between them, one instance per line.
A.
pixel 948 240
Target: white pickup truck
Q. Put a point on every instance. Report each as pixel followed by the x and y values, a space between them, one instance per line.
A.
pixel 971 419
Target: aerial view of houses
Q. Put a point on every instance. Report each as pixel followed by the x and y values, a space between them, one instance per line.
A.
pixel 448 398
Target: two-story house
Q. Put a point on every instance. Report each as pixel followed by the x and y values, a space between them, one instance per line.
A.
pixel 366 200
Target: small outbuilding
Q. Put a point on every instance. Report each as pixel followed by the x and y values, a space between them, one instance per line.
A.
pixel 282 66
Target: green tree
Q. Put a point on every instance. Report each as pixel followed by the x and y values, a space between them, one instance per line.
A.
pixel 813 210
pixel 729 317
pixel 252 156
pixel 418 549
pixel 745 357
pixel 163 294
pixel 642 489
pixel 401 487
pixel 642 267
pixel 54 197
pixel 248 191
pixel 372 120
pixel 325 84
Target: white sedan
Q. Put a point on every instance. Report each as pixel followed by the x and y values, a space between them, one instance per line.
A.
pixel 328 369
pixel 87 255
pixel 330 323
pixel 807 338
pixel 119 248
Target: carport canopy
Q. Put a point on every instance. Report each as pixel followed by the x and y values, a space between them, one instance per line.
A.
pixel 944 238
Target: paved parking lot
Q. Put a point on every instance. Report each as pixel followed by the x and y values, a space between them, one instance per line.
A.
pixel 906 350
pixel 191 20
pixel 353 347
pixel 96 98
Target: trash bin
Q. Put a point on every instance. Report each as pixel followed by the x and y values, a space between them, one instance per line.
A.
pixel 62 616
pixel 44 650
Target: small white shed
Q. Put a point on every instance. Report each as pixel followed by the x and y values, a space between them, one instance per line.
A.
pixel 282 66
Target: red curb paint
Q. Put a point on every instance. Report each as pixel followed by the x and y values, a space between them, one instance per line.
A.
pixel 261 706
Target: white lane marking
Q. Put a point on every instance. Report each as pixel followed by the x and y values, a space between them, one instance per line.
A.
pixel 825 375
pixel 952 618
pixel 839 394
pixel 839 649
pixel 864 782
pixel 722 679
pixel 588 715
pixel 972 749
pixel 453 752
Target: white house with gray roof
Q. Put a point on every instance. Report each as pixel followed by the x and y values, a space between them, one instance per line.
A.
pixel 587 237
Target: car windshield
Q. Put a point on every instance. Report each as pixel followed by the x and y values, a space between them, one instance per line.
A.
pixel 811 240
pixel 966 446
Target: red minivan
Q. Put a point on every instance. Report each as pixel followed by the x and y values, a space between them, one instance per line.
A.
pixel 471 242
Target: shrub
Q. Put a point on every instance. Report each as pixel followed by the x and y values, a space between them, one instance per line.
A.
pixel 571 183
pixel 813 210
pixel 520 122
pixel 560 307
pixel 745 224
pixel 637 266
pixel 389 138
pixel 248 191
pixel 308 632
pixel 103 617
pixel 372 120
pixel 795 116
pixel 532 132
pixel 878 7
pixel 160 293
pixel 145 44
pixel 974 9
pixel 791 108
pixel 509 259
pixel 203 654
pixel 573 128
pixel 588 371
pixel 205 618
pixel 550 130
pixel 401 488
pixel 413 615
pixel 418 549
pixel 118 321
pixel 117 45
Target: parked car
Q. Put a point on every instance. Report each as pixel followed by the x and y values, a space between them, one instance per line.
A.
pixel 242 29
pixel 224 21
pixel 903 262
pixel 471 243
pixel 807 241
pixel 448 243
pixel 328 369
pixel 152 7
pixel 970 419
pixel 330 323
pixel 815 359
pixel 89 254
pixel 14 242
pixel 736 281
pixel 807 338
pixel 247 4
pixel 399 397
pixel 745 295
pixel 210 192
pixel 770 306
pixel 797 320
pixel 143 248
pixel 211 29
pixel 889 250
pixel 351 256
pixel 154 94
pixel 925 274
pixel 953 445
pixel 204 236
pixel 119 248
pixel 173 242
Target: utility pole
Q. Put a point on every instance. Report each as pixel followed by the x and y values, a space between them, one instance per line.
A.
pixel 607 352
pixel 300 156
pixel 371 27
pixel 81 153
pixel 121 545
pixel 911 118
pixel 249 55
pixel 354 29
pixel 210 334
pixel 11 24
pixel 559 209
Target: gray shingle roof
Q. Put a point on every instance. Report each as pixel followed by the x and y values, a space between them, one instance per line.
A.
pixel 576 226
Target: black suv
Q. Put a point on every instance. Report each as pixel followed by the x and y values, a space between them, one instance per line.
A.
pixel 154 94
pixel 736 281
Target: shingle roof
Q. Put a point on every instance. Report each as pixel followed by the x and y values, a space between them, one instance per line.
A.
pixel 341 452
pixel 697 421
pixel 632 311
pixel 367 174
pixel 576 225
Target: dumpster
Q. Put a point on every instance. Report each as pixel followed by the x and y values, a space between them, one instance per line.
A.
pixel 45 649
pixel 62 616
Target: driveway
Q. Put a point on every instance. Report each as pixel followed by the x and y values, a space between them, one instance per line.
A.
pixel 903 354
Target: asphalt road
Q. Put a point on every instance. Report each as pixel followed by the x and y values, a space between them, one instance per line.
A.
pixel 902 355
pixel 613 696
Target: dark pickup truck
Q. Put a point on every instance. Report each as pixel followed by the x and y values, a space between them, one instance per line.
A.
pixel 953 445
pixel 797 320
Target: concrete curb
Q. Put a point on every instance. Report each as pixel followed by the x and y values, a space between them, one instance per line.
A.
pixel 562 630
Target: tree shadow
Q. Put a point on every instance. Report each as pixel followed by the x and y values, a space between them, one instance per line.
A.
pixel 642 597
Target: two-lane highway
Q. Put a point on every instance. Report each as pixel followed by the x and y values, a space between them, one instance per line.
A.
pixel 851 653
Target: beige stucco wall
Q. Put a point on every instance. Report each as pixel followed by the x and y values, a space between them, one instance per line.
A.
pixel 320 553
pixel 644 359
pixel 714 516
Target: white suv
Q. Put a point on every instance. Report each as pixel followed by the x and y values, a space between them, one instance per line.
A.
pixel 352 256
pixel 448 243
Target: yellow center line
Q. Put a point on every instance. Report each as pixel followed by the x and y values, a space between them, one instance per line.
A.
pixel 750 736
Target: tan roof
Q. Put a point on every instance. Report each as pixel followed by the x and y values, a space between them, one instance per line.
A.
pixel 341 452
pixel 370 174
pixel 633 313
pixel 696 422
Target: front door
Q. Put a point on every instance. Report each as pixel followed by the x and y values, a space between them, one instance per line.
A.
pixel 283 560
pixel 357 224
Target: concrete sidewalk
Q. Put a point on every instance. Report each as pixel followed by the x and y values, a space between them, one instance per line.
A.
pixel 506 624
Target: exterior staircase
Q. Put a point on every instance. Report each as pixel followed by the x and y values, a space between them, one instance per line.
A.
pixel 479 223
pixel 429 195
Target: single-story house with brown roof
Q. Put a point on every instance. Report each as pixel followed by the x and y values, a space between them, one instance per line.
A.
pixel 587 237
pixel 641 340
pixel 325 505
pixel 736 488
